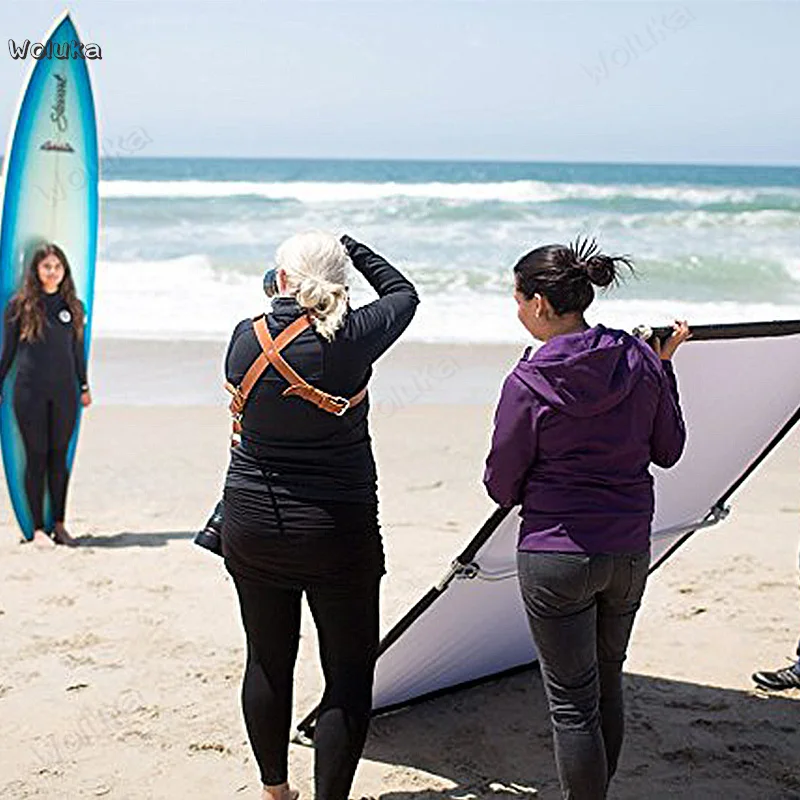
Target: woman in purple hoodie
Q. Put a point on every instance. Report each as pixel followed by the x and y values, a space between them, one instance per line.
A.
pixel 578 423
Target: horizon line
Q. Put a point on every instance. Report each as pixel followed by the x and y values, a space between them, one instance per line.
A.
pixel 463 160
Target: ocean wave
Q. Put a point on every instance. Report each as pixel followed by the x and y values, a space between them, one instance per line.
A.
pixel 696 219
pixel 186 299
pixel 195 297
pixel 519 191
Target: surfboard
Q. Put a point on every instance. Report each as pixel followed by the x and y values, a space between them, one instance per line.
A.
pixel 50 180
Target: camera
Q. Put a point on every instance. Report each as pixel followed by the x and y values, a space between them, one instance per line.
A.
pixel 211 536
pixel 271 282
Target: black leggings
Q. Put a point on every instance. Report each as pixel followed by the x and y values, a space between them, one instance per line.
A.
pixel 46 423
pixel 346 617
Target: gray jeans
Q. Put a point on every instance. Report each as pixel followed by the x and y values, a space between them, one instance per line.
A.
pixel 581 610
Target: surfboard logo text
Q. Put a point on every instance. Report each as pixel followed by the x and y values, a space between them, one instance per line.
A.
pixel 57 147
pixel 60 50
pixel 58 114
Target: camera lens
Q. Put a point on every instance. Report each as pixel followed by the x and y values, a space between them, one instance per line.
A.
pixel 271 282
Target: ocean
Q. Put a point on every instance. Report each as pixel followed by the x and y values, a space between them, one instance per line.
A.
pixel 184 242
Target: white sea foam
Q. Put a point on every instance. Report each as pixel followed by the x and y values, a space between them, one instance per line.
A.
pixel 187 298
pixel 520 191
pixel 454 319
pixel 182 297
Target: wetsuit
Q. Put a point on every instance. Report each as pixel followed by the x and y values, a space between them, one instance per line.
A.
pixel 301 515
pixel 51 372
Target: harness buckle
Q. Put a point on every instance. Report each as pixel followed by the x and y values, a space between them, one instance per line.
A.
pixel 343 405
pixel 236 406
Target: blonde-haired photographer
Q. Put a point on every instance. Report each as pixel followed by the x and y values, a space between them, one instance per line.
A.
pixel 300 508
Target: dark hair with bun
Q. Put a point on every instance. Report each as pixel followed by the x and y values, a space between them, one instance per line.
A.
pixel 564 274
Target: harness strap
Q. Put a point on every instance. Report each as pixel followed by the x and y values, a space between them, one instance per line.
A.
pixel 242 391
pixel 258 366
pixel 298 386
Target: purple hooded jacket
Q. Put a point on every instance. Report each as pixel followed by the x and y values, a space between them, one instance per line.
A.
pixel 576 428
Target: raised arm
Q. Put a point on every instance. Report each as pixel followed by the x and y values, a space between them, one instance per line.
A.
pixel 378 324
pixel 669 432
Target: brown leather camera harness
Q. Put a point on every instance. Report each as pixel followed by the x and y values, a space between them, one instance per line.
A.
pixel 298 386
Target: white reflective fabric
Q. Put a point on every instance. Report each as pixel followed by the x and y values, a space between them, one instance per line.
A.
pixel 736 395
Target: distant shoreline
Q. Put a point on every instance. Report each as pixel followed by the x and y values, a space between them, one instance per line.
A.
pixel 481 160
pixel 142 372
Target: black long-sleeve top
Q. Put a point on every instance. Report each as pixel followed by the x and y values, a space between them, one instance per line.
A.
pixel 54 362
pixel 301 449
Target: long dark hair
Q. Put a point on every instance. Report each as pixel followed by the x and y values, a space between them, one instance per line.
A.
pixel 564 274
pixel 27 305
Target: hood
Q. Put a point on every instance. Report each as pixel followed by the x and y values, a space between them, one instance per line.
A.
pixel 587 373
pixel 286 309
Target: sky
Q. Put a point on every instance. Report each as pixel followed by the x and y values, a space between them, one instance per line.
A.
pixel 701 82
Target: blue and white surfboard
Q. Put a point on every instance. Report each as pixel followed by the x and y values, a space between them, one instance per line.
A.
pixel 50 174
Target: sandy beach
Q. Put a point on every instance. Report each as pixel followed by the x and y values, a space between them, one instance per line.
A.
pixel 120 661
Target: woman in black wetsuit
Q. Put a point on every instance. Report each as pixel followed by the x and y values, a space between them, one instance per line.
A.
pixel 44 332
pixel 301 508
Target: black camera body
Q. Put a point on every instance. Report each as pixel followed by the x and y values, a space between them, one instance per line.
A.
pixel 211 536
pixel 271 282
